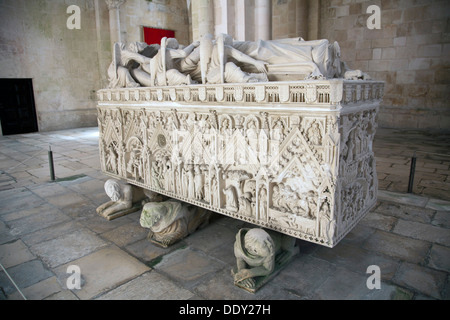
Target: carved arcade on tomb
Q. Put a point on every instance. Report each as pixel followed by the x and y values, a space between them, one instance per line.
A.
pixel 295 157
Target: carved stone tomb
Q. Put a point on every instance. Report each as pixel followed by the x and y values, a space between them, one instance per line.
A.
pixel 294 156
pixel 277 133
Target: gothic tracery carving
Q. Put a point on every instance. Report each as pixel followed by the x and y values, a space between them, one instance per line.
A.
pixel 309 176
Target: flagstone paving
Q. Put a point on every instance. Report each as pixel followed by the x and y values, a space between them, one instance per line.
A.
pixel 47 226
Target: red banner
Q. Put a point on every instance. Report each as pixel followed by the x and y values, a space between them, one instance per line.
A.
pixel 152 35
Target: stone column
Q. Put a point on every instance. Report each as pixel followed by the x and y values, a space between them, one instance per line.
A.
pixel 239 22
pixel 263 20
pixel 104 58
pixel 221 16
pixel 313 19
pixel 301 16
pixel 114 20
pixel 205 18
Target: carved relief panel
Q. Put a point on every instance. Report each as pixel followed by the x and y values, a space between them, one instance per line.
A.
pixel 307 174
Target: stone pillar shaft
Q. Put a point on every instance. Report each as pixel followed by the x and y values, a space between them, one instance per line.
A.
pixel 263 19
pixel 205 17
pixel 114 20
pixel 313 19
pixel 302 18
pixel 239 14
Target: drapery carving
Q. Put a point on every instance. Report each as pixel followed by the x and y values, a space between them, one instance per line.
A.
pixel 224 60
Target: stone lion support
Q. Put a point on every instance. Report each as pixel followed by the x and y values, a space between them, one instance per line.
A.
pixel 125 199
pixel 171 221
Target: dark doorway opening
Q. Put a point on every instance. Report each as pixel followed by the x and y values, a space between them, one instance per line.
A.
pixel 17 109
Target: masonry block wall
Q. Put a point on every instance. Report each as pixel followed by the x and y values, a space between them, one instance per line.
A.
pixel 160 14
pixel 284 19
pixel 68 66
pixel 63 64
pixel 295 18
pixel 411 53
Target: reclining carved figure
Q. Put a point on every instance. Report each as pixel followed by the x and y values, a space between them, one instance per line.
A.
pixel 223 60
pixel 127 68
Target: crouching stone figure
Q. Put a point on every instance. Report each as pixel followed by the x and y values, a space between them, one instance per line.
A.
pixel 125 198
pixel 260 255
pixel 171 220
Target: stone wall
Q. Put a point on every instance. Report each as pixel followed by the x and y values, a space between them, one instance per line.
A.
pixel 284 19
pixel 64 64
pixel 411 53
pixel 69 66
pixel 295 18
pixel 161 14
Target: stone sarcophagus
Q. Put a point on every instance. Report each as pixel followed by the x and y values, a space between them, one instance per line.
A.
pixel 292 156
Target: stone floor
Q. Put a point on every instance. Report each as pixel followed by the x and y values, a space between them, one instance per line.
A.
pixel 45 227
pixel 394 150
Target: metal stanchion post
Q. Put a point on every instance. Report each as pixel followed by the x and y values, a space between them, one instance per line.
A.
pixel 411 173
pixel 50 163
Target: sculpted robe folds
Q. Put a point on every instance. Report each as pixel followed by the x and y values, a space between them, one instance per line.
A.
pixel 224 60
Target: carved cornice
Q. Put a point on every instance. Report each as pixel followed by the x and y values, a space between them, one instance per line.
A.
pixel 327 93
